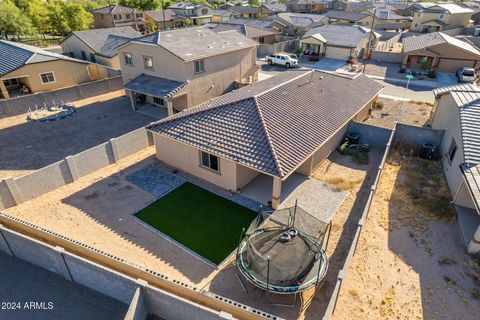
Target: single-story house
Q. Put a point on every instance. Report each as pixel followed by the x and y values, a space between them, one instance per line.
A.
pixel 292 23
pixel 29 69
pixel 339 42
pixel 285 124
pixel 438 51
pixel 98 45
pixel 457 111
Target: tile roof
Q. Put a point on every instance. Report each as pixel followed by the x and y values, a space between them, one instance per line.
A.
pixel 471 174
pixel 304 20
pixel 436 21
pixel 197 42
pixel 342 15
pixel 104 41
pixel 249 31
pixel 245 9
pixel 155 86
pixel 275 7
pixel 338 35
pixel 467 98
pixel 273 125
pixel 427 40
pixel 14 55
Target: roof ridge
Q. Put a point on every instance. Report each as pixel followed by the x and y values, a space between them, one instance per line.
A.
pixel 286 82
pixel 269 140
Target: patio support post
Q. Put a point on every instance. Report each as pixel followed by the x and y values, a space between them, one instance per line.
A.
pixel 133 101
pixel 4 90
pixel 276 192
pixel 169 107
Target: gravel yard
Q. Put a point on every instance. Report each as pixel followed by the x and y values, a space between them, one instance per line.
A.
pixel 409 112
pixel 27 146
pixel 410 261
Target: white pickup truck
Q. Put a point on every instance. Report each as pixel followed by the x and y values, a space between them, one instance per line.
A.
pixel 282 59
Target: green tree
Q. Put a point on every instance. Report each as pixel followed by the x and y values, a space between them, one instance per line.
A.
pixel 37 11
pixel 57 21
pixel 151 26
pixel 255 3
pixel 89 5
pixel 143 5
pixel 65 17
pixel 13 21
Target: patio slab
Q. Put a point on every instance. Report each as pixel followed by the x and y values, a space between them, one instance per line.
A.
pixel 328 64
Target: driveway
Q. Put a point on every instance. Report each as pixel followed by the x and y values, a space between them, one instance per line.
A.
pixel 446 79
pixel 328 64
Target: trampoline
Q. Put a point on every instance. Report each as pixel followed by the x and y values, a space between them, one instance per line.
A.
pixel 283 251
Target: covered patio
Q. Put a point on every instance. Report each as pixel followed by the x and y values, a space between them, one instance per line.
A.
pixel 156 91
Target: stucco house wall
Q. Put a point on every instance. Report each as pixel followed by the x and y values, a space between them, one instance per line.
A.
pixel 66 73
pixel 221 71
pixel 447 117
pixel 75 46
pixel 452 20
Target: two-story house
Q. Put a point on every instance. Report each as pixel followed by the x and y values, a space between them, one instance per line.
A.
pixel 181 68
pixel 198 14
pixel 310 6
pixel 116 15
pixel 431 17
pixel 165 19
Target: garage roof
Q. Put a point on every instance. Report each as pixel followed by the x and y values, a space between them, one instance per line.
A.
pixel 273 125
pixel 427 40
pixel 345 36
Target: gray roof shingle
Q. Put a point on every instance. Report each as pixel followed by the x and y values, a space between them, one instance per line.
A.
pixel 104 41
pixel 155 86
pixel 113 9
pixel 273 125
pixel 14 55
pixel 343 15
pixel 198 42
pixel 467 98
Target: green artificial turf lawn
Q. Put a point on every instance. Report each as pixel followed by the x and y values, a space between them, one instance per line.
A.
pixel 206 223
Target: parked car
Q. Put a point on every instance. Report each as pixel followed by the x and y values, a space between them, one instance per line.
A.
pixel 282 59
pixel 466 74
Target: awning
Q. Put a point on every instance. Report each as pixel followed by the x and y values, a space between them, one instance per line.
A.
pixel 155 86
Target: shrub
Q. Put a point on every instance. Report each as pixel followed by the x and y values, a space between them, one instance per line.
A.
pixel 298 50
pixel 402 70
pixel 379 105
pixel 432 74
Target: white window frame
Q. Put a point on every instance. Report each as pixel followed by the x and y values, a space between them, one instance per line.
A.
pixel 203 66
pixel 48 82
pixel 208 167
pixel 125 59
pixel 144 63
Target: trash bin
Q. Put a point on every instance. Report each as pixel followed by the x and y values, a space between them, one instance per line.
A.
pixel 428 151
pixel 353 137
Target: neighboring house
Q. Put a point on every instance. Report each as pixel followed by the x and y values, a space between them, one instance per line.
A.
pixel 165 19
pixel 457 111
pixel 29 69
pixel 339 42
pixel 384 20
pixel 249 12
pixel 98 45
pixel 292 23
pixel 274 8
pixel 310 6
pixel 431 17
pixel 116 15
pixel 221 15
pixel 360 6
pixel 198 14
pixel 271 129
pixel 475 7
pixel 257 34
pixel 438 51
pixel 181 68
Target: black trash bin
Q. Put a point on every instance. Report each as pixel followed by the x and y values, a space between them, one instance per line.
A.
pixel 353 137
pixel 428 151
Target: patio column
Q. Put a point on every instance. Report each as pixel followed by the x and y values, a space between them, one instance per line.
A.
pixel 133 101
pixel 4 90
pixel 276 192
pixel 169 105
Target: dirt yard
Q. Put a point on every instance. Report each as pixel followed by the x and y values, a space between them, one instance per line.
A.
pixel 27 146
pixel 409 112
pixel 410 261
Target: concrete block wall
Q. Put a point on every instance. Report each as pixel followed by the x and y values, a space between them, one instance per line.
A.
pixel 370 134
pixel 14 191
pixel 142 297
pixel 413 135
pixel 21 104
pixel 6 199
pixel 94 158
pixel 43 180
pixel 131 142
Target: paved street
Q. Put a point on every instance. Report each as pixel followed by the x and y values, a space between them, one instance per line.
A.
pixel 413 92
